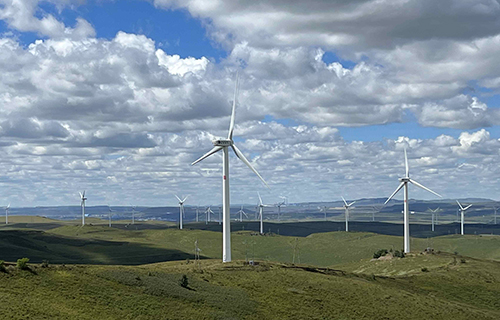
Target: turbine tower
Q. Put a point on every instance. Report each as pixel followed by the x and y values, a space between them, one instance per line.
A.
pixel 82 197
pixel 404 183
pixel 323 209
pixel 224 145
pixel 133 214
pixel 7 213
pixel 181 210
pixel 347 207
pixel 462 213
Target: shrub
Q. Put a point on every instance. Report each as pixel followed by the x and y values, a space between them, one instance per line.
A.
pixel 424 269
pixel 2 266
pixel 379 253
pixel 399 254
pixel 184 282
pixel 45 263
pixel 22 264
pixel 462 260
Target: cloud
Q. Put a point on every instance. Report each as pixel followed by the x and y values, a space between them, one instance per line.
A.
pixel 22 15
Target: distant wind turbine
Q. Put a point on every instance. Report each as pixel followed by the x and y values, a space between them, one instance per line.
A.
pixel 224 144
pixel 83 199
pixel 434 214
pixel 241 213
pixel 208 212
pixel 462 213
pixel 109 215
pixel 181 210
pixel 347 207
pixel 279 205
pixel 261 213
pixel 323 209
pixel 495 209
pixel 7 213
pixel 404 183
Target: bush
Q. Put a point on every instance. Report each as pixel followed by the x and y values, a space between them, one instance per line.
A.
pixel 424 269
pixel 462 260
pixel 22 264
pixel 399 254
pixel 379 253
pixel 45 263
pixel 2 266
pixel 184 282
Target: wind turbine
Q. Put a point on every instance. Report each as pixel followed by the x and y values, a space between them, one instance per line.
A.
pixel 279 204
pixel 82 197
pixel 224 144
pixel 207 215
pixel 7 213
pixel 404 183
pixel 347 207
pixel 133 214
pixel 434 213
pixel 495 215
pixel 197 213
pixel 109 215
pixel 462 213
pixel 323 209
pixel 241 213
pixel 181 210
pixel 261 213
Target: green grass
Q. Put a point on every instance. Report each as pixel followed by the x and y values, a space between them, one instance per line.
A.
pixel 467 290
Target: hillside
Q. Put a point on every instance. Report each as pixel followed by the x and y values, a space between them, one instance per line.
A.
pixel 450 289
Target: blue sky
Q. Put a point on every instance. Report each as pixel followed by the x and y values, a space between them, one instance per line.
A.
pixel 114 97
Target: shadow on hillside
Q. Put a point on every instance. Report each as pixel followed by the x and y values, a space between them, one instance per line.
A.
pixel 36 226
pixel 303 229
pixel 38 246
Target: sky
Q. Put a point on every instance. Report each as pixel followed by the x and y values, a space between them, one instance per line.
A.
pixel 119 97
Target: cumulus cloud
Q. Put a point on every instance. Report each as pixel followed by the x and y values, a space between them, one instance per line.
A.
pixel 22 15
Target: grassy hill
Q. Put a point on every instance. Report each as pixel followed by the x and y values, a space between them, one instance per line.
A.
pixel 103 245
pixel 395 289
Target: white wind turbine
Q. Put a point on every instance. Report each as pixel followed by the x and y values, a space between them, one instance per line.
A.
pixel 323 209
pixel 208 212
pixel 404 183
pixel 181 210
pixel 347 207
pixel 261 213
pixel 109 215
pixel 279 205
pixel 241 213
pixel 133 214
pixel 462 213
pixel 495 209
pixel 83 199
pixel 434 214
pixel 224 145
pixel 7 213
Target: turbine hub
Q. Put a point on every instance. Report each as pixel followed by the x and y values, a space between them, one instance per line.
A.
pixel 223 142
pixel 405 179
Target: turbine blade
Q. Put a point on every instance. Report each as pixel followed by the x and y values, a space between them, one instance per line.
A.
pixel 231 125
pixel 260 199
pixel 470 205
pixel 208 154
pixel 177 198
pixel 81 195
pixel 242 158
pixel 425 188
pixel 350 204
pixel 460 205
pixel 344 201
pixel 84 193
pixel 394 193
pixel 406 165
pixel 185 198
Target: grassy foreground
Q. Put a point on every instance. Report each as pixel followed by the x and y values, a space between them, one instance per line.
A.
pixel 451 287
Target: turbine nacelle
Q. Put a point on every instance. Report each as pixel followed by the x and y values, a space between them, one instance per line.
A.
pixel 223 142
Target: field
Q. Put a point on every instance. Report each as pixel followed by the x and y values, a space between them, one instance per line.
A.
pixel 307 271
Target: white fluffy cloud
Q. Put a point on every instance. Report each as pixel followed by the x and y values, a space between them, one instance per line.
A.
pixel 124 119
